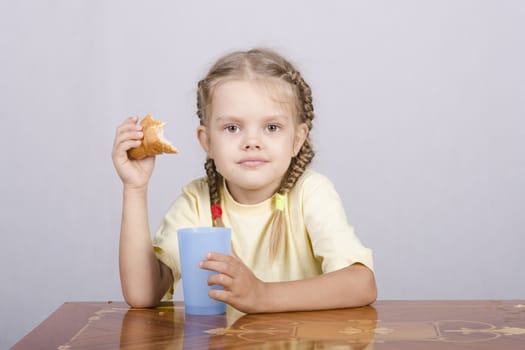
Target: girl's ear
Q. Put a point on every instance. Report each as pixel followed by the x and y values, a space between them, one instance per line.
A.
pixel 300 136
pixel 204 140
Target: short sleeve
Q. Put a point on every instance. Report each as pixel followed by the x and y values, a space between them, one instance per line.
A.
pixel 188 210
pixel 333 239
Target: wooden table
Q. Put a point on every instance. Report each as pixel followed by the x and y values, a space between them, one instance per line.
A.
pixel 385 325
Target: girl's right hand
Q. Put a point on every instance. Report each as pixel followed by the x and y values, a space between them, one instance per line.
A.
pixel 133 173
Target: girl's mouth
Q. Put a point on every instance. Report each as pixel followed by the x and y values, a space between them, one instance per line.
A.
pixel 252 163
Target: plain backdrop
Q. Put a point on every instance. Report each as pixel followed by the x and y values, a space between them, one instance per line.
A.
pixel 419 123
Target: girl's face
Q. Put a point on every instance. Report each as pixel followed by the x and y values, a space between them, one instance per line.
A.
pixel 252 137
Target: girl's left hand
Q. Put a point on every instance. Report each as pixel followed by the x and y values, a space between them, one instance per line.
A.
pixel 242 289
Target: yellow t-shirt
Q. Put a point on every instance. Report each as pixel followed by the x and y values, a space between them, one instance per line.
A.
pixel 318 237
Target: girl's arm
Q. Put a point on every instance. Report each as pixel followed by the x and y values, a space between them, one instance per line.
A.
pixel 144 279
pixel 349 287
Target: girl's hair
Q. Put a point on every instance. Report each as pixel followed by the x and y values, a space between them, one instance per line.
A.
pixel 251 65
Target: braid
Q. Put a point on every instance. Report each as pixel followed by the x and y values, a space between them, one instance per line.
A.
pixel 306 115
pixel 214 181
pixel 299 163
pixel 214 178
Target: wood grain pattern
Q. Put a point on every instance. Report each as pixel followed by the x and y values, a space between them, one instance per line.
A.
pixel 384 325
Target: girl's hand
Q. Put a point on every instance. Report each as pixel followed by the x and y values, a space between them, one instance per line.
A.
pixel 242 289
pixel 133 173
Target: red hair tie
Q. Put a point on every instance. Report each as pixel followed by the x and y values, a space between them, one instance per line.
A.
pixel 216 211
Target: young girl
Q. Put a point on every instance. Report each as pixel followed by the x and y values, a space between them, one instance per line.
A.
pixel 292 247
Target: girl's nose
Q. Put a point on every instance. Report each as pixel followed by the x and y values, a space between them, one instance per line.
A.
pixel 252 144
pixel 252 141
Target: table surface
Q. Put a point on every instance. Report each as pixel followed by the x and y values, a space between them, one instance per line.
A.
pixel 406 325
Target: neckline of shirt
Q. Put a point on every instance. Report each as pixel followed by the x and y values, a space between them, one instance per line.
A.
pixel 230 202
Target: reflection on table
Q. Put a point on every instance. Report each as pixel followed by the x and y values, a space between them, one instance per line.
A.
pixel 305 329
pixel 385 325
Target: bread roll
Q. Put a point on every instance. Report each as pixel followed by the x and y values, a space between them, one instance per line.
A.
pixel 153 142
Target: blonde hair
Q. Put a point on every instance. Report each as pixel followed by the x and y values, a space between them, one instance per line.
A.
pixel 250 65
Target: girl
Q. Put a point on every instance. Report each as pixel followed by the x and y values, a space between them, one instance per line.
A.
pixel 292 246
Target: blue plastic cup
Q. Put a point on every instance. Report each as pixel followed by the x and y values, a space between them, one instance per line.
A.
pixel 194 243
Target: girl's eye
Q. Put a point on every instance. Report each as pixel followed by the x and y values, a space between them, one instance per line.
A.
pixel 232 129
pixel 273 127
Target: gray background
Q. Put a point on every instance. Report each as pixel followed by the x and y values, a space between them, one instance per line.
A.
pixel 419 123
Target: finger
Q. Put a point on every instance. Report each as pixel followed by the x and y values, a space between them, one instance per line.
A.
pixel 127 125
pixel 124 146
pixel 233 269
pixel 221 280
pixel 220 295
pixel 131 120
pixel 233 258
pixel 216 266
pixel 127 136
pixel 131 135
pixel 119 153
pixel 126 129
pixel 218 257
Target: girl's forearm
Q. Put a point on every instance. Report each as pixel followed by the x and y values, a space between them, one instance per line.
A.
pixel 140 271
pixel 349 287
